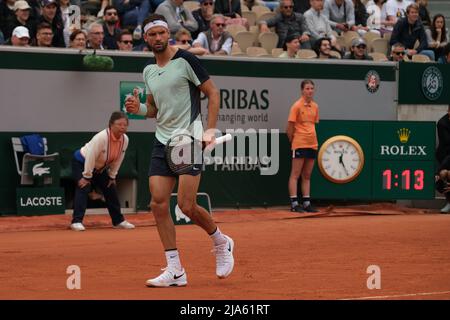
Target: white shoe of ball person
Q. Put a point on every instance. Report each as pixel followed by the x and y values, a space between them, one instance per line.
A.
pixel 171 277
pixel 224 258
pixel 124 225
pixel 446 209
pixel 77 226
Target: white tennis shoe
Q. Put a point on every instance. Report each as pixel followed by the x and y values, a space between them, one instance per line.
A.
pixel 124 225
pixel 77 226
pixel 171 277
pixel 446 209
pixel 224 258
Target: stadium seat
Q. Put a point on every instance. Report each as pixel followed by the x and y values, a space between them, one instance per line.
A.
pixel 268 40
pixel 245 39
pixel 250 16
pixel 420 58
pixel 276 52
pixel 233 29
pixel 378 56
pixel 259 10
pixel 380 45
pixel 369 37
pixel 335 54
pixel 256 52
pixel 306 54
pixel 265 16
pixel 349 36
pixel 191 5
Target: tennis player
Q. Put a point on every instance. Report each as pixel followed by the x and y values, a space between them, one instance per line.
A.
pixel 301 132
pixel 173 87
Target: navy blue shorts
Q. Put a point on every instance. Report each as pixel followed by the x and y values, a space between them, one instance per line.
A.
pixel 306 153
pixel 160 167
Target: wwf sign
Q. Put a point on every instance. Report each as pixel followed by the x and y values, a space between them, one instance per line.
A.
pixel 40 201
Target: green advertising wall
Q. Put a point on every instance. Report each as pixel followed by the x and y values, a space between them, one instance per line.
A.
pixel 408 163
pixel 424 83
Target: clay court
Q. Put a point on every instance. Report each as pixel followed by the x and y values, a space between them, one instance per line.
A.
pixel 279 255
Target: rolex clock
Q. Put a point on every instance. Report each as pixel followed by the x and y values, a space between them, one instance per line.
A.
pixel 341 159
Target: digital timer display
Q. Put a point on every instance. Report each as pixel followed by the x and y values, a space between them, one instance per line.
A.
pixel 406 180
pixel 403 179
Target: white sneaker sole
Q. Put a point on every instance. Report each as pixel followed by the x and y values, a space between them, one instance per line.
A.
pixel 176 284
pixel 232 257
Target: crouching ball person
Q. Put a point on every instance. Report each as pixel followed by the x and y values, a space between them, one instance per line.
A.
pixel 98 162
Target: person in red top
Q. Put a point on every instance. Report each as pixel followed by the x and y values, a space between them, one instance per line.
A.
pixel 301 132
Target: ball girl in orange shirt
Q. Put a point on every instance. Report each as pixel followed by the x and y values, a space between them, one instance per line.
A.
pixel 301 132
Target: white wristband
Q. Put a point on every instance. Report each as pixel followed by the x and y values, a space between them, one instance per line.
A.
pixel 142 110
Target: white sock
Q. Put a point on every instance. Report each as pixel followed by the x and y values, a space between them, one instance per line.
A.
pixel 173 259
pixel 218 238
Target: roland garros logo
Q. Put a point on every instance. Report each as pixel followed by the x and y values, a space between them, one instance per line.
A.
pixel 432 83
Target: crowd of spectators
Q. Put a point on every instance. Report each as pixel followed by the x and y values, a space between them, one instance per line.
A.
pixel 321 26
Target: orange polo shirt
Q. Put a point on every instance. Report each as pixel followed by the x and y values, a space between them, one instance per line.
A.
pixel 305 117
pixel 115 147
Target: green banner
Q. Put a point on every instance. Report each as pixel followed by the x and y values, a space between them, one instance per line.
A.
pixel 40 201
pixel 403 140
pixel 424 83
pixel 126 90
pixel 178 217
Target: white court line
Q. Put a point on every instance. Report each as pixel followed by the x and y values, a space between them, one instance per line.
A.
pixel 399 295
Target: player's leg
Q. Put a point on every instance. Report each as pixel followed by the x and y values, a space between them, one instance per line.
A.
pixel 306 184
pixel 223 244
pixel 296 169
pixel 174 275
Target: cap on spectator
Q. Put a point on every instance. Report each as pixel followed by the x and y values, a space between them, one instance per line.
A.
pixel 21 32
pixel 358 41
pixel 292 36
pixel 201 1
pixel 21 5
pixel 45 3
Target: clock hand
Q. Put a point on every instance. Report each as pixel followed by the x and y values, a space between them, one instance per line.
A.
pixel 342 162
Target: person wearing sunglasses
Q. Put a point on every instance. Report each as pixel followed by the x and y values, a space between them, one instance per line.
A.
pixel 217 41
pixel 183 40
pixel 358 50
pixel 398 52
pixel 125 41
pixel 409 31
pixel 111 32
pixel 203 16
pixel 288 21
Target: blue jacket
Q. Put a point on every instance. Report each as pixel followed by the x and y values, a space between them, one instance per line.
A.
pixel 407 34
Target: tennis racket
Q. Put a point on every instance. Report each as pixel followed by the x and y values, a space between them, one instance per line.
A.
pixel 183 152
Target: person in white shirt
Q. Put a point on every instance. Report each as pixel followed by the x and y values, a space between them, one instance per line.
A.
pixel 98 162
pixel 216 40
pixel 395 9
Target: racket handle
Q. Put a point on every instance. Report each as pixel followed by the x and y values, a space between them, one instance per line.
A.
pixel 224 138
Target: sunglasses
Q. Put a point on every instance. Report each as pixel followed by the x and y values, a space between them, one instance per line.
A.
pixel 208 3
pixel 111 14
pixel 220 24
pixel 185 41
pixel 127 41
pixel 399 53
pixel 361 46
pixel 288 7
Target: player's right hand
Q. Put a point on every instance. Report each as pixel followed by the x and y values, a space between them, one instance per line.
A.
pixel 132 103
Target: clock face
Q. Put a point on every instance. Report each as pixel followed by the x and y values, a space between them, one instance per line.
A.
pixel 341 159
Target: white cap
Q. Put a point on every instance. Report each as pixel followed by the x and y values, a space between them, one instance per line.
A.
pixel 21 32
pixel 21 4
